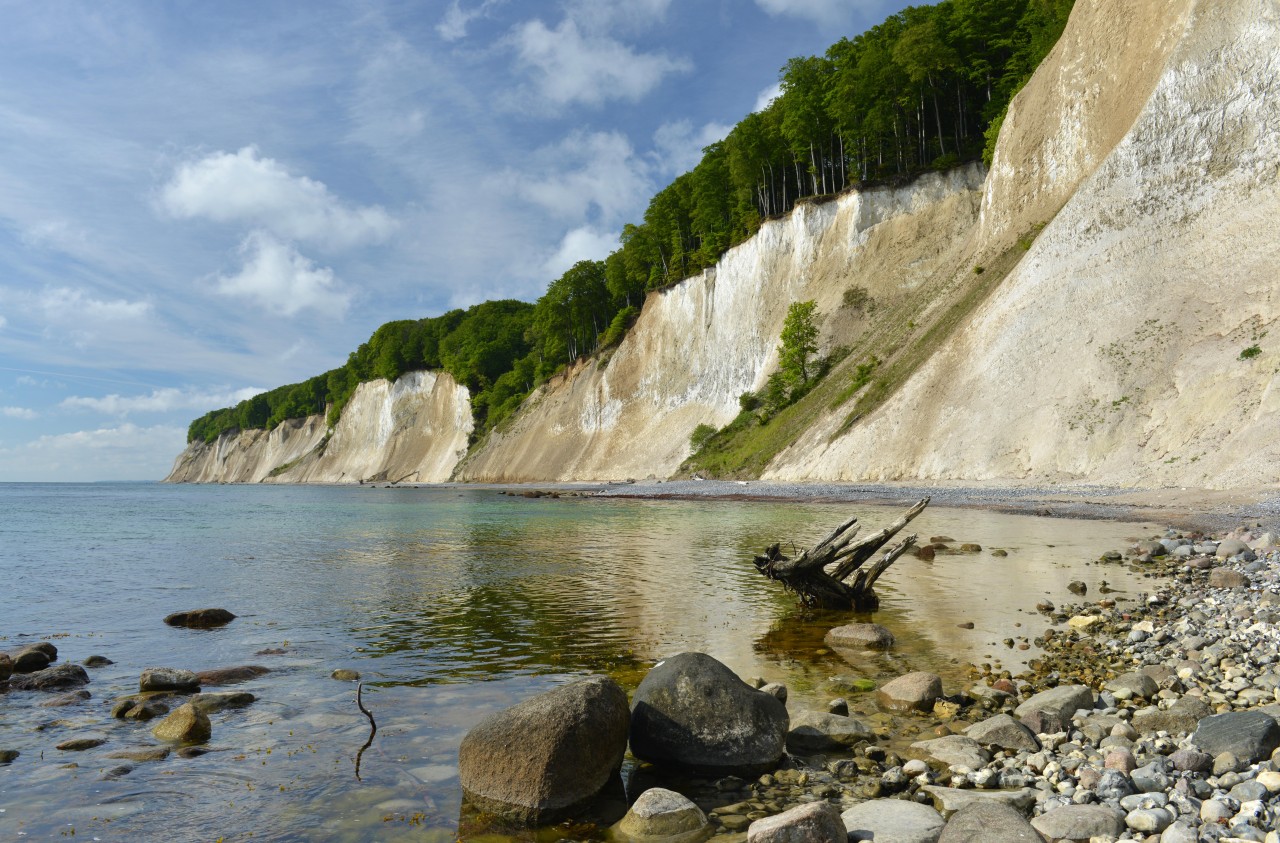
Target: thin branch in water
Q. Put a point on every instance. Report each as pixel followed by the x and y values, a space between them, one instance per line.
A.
pixel 373 727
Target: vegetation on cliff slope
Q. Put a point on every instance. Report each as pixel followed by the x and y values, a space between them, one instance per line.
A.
pixel 925 89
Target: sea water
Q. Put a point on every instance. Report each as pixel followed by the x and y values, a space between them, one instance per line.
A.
pixel 451 602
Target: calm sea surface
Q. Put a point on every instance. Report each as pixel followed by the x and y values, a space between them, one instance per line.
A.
pixel 451 603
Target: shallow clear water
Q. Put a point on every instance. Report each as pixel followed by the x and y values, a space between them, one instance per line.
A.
pixel 452 603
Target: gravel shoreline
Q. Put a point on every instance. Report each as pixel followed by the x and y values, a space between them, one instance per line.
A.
pixel 1151 720
pixel 1185 509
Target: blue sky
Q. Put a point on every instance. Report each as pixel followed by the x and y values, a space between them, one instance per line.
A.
pixel 199 201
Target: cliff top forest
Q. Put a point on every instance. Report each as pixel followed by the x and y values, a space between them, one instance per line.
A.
pixel 927 89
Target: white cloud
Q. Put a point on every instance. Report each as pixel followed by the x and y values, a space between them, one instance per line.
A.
pixel 160 401
pixel 569 67
pixel 580 244
pixel 3 322
pixel 63 304
pixel 243 187
pixel 18 413
pixel 127 452
pixel 679 147
pixel 822 12
pixel 767 96
pixel 453 26
pixel 276 276
pixel 584 172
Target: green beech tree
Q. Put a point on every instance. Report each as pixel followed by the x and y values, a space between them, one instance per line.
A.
pixel 799 342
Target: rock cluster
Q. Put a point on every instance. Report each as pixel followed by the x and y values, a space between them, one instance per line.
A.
pixel 160 695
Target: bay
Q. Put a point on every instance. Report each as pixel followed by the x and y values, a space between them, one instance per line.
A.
pixel 451 602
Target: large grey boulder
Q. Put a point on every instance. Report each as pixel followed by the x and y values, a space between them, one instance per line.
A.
pixel 57 678
pixel 911 692
pixel 1004 732
pixel 984 822
pixel 662 816
pixel 816 822
pixel 1060 703
pixel 539 760
pixel 1250 736
pixel 860 636
pixel 1080 822
pixel 691 711
pixel 812 731
pixel 892 821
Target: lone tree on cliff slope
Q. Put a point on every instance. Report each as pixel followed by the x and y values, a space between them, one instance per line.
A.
pixel 799 342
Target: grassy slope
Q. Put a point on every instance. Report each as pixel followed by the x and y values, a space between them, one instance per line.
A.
pixel 902 336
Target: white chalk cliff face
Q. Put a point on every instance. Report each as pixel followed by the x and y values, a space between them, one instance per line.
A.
pixel 1112 353
pixel 414 430
pixel 1147 145
pixel 699 345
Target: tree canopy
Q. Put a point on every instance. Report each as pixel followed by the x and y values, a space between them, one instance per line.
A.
pixel 926 89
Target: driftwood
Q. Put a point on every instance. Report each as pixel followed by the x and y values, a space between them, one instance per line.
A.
pixel 373 727
pixel 822 575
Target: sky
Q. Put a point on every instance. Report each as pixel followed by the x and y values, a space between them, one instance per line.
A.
pixel 200 201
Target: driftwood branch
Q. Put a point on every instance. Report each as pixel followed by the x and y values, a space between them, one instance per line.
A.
pixel 373 727
pixel 820 576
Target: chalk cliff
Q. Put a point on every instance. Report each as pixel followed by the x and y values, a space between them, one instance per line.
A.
pixel 412 430
pixel 1100 306
pixel 699 345
pixel 1113 352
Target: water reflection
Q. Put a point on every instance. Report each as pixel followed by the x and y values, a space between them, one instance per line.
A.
pixel 452 604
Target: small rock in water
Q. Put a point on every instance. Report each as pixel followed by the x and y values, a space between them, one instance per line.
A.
pixel 911 692
pixel 342 674
pixel 200 618
pixel 167 679
pixel 864 636
pixel 776 690
pixel 1077 587
pixel 80 744
pixel 662 814
pixel 184 725
pixel 141 756
pixel 72 698
pixel 839 706
pixel 812 731
pixel 8 756
pixel 57 678
pixel 97 661
pixel 209 703
pixel 231 675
